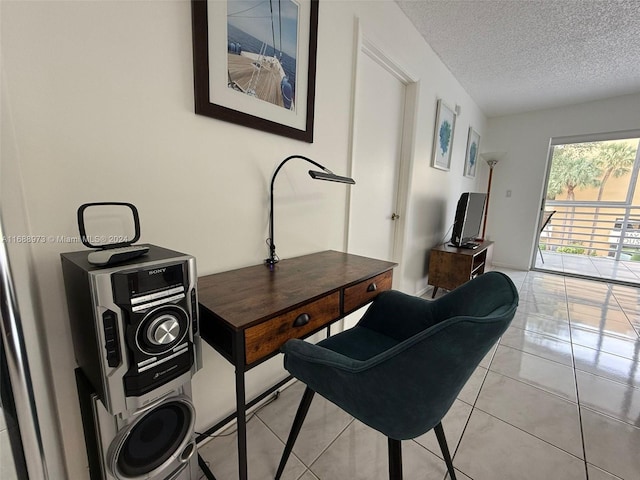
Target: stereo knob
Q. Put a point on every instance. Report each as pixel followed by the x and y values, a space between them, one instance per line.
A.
pixel 164 330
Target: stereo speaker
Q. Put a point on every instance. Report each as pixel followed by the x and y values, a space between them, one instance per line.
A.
pixel 157 442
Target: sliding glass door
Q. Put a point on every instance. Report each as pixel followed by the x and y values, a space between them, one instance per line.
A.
pixel 590 218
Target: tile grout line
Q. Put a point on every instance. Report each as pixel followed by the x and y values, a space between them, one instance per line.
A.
pixel 575 379
pixel 576 370
pixel 531 434
pixel 624 339
pixel 473 407
pixel 327 448
pixel 308 467
pixel 284 443
pixel 572 366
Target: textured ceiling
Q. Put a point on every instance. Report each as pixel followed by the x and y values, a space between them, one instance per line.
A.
pixel 516 56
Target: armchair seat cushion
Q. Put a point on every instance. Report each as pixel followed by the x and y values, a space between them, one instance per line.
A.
pixel 359 343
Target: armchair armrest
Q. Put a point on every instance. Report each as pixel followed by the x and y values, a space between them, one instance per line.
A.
pixel 317 355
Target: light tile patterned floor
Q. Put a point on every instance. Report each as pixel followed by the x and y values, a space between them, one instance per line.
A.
pixel 557 398
pixel 8 425
pixel 602 268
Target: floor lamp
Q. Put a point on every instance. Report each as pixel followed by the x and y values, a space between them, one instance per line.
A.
pixel 491 161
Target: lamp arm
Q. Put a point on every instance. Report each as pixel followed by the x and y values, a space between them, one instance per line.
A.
pixel 272 247
pixel 273 178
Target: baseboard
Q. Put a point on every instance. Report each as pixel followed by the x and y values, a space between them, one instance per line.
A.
pixel 422 291
pixel 509 266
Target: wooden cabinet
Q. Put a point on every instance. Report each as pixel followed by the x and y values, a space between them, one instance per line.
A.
pixel 267 337
pixel 363 292
pixel 450 267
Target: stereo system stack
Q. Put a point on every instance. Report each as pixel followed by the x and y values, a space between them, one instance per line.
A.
pixel 137 344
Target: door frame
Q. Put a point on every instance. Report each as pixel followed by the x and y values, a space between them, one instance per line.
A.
pixel 582 138
pixel 365 46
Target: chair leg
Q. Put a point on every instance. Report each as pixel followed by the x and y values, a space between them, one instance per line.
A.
pixel 541 257
pixel 445 450
pixel 395 459
pixel 305 403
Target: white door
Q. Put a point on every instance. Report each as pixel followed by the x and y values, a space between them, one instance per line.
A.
pixel 377 151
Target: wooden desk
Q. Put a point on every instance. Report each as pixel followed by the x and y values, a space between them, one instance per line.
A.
pixel 249 313
pixel 450 267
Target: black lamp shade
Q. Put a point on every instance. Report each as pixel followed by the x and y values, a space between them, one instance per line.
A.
pixel 330 177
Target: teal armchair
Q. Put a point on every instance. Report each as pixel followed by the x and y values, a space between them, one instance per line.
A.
pixel 401 367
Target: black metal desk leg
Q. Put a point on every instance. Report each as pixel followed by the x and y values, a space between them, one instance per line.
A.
pixel 241 419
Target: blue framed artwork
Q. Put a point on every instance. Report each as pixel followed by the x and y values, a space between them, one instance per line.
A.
pixel 471 158
pixel 443 136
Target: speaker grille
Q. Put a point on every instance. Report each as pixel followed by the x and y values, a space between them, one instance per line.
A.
pixel 154 439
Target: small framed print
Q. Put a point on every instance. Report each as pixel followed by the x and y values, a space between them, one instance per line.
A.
pixel 471 158
pixel 443 136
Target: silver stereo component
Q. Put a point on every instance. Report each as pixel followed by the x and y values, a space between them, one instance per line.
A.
pixel 157 442
pixel 134 325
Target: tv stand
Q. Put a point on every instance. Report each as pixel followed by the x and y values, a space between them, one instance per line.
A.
pixel 450 267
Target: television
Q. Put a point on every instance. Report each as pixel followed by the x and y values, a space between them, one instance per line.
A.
pixel 469 213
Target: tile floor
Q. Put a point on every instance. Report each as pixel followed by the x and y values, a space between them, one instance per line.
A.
pixel 7 468
pixel 557 398
pixel 602 268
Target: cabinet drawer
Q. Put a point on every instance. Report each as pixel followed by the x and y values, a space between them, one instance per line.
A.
pixel 363 292
pixel 267 337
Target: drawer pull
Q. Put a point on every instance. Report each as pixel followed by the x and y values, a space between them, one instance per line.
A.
pixel 302 320
pixel 372 287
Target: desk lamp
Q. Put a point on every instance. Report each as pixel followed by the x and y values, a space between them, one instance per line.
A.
pixel 326 174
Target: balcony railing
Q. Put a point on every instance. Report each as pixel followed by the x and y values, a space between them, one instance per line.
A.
pixel 593 228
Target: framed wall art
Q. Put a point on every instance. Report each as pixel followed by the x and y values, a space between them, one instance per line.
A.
pixel 471 158
pixel 443 136
pixel 254 63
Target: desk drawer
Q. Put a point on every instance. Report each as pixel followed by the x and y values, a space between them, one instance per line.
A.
pixel 363 292
pixel 267 337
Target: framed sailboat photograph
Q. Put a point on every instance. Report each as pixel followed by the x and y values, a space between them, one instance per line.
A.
pixel 255 63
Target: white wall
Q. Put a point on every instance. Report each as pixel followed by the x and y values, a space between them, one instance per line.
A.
pixel 100 98
pixel 524 138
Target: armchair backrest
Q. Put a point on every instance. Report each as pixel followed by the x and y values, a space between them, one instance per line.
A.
pixel 401 316
pixel 423 374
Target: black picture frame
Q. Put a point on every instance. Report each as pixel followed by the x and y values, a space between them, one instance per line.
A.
pixel 204 105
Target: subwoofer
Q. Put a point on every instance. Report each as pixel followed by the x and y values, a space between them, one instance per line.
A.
pixel 157 442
